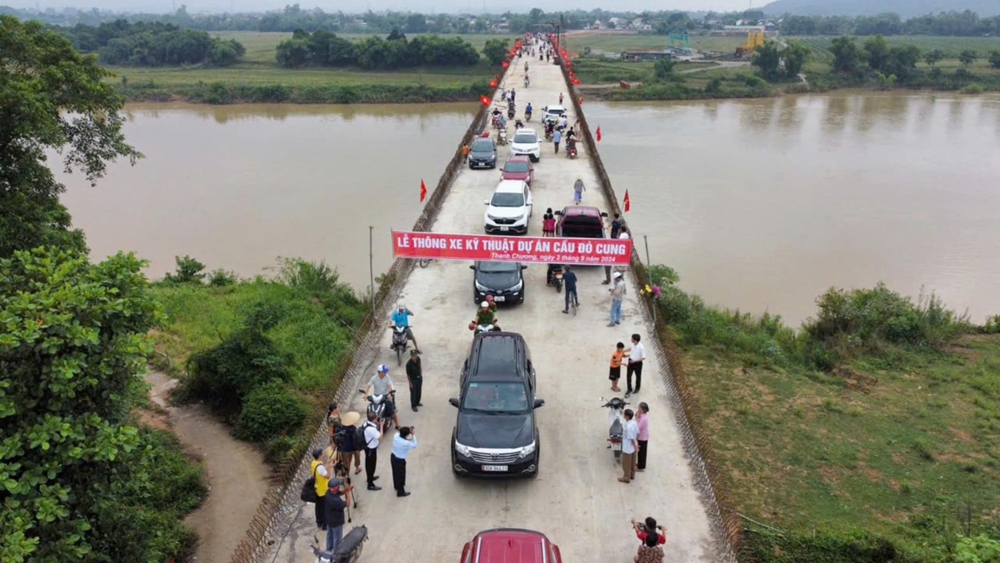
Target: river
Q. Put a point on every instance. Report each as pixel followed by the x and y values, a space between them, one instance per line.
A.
pixel 762 205
pixel 758 204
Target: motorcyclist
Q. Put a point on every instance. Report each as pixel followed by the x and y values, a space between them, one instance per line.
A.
pixel 549 128
pixel 402 318
pixel 380 384
pixel 492 303
pixel 485 316
pixel 527 111
pixel 570 145
pixel 549 277
pixel 527 81
pixel 519 124
pixel 525 66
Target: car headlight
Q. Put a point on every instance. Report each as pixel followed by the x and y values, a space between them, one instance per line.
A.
pixel 517 287
pixel 527 450
pixel 490 217
pixel 466 450
pixel 482 288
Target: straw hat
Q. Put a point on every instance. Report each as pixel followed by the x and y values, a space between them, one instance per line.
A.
pixel 350 418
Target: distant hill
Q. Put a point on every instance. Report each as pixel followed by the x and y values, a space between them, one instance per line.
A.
pixel 905 8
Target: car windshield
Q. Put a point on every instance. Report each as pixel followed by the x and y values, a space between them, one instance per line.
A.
pixel 498 267
pixel 525 138
pixel 519 167
pixel 507 200
pixel 499 397
pixel 557 111
pixel 482 145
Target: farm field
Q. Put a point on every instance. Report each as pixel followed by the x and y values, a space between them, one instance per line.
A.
pixel 618 42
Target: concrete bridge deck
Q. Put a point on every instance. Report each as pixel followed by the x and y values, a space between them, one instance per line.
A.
pixel 576 499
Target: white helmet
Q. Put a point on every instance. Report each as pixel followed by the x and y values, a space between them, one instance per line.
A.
pixel 484 304
pixel 382 368
pixel 401 306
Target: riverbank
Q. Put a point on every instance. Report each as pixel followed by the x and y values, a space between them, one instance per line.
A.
pixel 868 435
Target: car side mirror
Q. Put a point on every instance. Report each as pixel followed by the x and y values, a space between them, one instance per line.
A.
pixel 559 213
pixel 473 267
pixel 454 402
pixel 539 403
pixel 524 267
pixel 604 214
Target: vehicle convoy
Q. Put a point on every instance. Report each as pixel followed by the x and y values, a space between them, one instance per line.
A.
pixel 518 168
pixel 580 221
pixel 508 211
pixel 510 545
pixel 526 143
pixel 483 153
pixel 496 433
pixel 616 425
pixel 503 281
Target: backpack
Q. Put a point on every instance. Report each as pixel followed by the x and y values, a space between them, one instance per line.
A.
pixel 360 436
pixel 308 493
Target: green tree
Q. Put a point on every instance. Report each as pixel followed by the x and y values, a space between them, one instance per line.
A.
pixel 495 50
pixel 663 69
pixel 795 55
pixel 293 53
pixel 73 344
pixel 189 270
pixel 995 59
pixel 967 57
pixel 51 98
pixel 846 56
pixel 416 23
pixel 876 52
pixel 767 58
pixel 933 57
pixel 902 61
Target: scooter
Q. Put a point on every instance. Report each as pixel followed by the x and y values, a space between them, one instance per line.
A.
pixel 527 116
pixel 616 427
pixel 399 342
pixel 571 151
pixel 349 550
pixel 502 136
pixel 555 276
pixel 510 112
pixel 478 328
pixel 376 404
pixel 526 82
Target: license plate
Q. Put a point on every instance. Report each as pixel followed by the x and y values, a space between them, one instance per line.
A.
pixel 499 298
pixel 504 229
pixel 616 446
pixel 495 468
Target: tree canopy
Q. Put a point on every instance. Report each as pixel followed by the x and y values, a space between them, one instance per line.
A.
pixel 323 48
pixel 53 99
pixel 153 44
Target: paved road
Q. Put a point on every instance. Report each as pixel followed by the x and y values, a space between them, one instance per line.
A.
pixel 576 499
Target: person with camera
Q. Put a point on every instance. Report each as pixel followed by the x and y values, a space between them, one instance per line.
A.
pixel 404 441
pixel 652 537
pixel 334 512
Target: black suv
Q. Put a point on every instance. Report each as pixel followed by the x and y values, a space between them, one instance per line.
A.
pixel 496 434
pixel 502 280
pixel 483 153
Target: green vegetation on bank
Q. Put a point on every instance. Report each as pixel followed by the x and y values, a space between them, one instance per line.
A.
pixel 869 435
pixel 322 48
pixel 152 44
pixel 259 352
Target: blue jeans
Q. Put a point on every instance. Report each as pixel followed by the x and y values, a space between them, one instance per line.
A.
pixel 616 311
pixel 333 536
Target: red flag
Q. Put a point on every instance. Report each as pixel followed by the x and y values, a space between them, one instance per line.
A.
pixel 627 204
pixel 598 133
pixel 423 191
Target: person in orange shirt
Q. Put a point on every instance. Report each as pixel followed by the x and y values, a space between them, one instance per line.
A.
pixel 616 366
pixel 465 153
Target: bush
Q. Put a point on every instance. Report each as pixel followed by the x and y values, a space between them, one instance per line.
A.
pixel 222 278
pixel 270 410
pixel 278 447
pixel 189 270
pixel 714 86
pixel 973 89
pixel 822 547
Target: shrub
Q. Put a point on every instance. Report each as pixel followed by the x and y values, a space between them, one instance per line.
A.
pixel 973 89
pixel 189 270
pixel 222 278
pixel 278 447
pixel 714 86
pixel 821 547
pixel 980 549
pixel 224 375
pixel 323 284
pixel 268 411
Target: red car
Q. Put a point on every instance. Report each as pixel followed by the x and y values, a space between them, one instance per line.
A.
pixel 580 221
pixel 518 168
pixel 511 545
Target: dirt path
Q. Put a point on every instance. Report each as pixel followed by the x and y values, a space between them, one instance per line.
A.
pixel 235 472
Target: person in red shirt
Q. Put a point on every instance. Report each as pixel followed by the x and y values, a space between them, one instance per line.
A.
pixel 641 530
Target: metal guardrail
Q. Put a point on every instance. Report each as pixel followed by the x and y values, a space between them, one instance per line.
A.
pixel 288 477
pixel 726 525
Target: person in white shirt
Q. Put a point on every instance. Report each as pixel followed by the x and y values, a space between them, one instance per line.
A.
pixel 381 385
pixel 372 435
pixel 404 441
pixel 630 445
pixel 636 355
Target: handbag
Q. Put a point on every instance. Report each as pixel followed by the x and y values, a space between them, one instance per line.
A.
pixel 308 493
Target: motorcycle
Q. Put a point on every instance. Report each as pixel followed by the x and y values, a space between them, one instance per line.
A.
pixel 527 116
pixel 571 151
pixel 400 342
pixel 526 82
pixel 555 276
pixel 376 404
pixel 616 425
pixel 510 113
pixel 502 137
pixel 478 328
pixel 349 550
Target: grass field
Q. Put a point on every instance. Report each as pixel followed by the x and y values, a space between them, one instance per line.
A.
pixel 260 69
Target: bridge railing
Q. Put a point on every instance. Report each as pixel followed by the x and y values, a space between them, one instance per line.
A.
pixel 726 524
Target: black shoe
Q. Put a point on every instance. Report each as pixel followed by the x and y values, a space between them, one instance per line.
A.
pixel 374 488
pixel 420 404
pixel 403 494
pixel 414 409
pixel 375 478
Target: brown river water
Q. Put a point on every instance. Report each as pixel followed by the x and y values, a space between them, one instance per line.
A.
pixel 759 204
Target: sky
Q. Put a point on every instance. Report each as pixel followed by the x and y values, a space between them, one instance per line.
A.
pixel 354 6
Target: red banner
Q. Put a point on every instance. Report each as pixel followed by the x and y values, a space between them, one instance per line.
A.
pixel 543 250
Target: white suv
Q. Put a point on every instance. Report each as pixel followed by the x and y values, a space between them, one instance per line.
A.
pixel 552 114
pixel 526 143
pixel 508 211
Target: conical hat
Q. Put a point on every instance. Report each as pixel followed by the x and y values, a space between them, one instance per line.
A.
pixel 350 418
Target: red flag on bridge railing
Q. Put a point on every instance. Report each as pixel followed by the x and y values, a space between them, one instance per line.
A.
pixel 598 133
pixel 423 191
pixel 627 204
